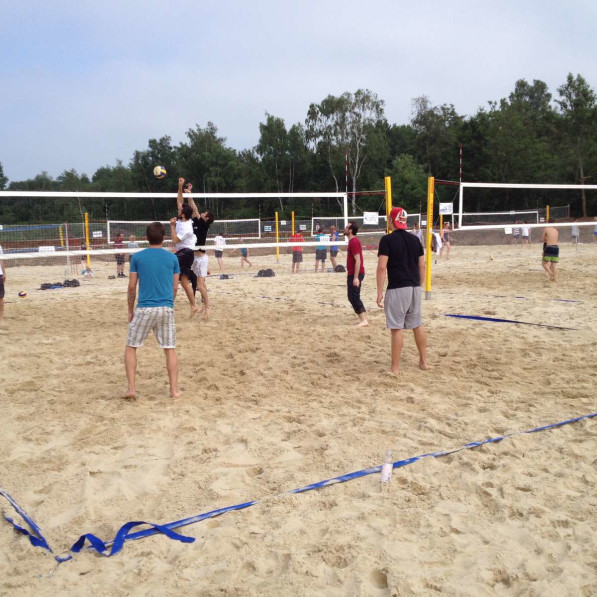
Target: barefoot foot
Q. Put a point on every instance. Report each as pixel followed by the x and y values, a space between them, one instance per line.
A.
pixel 175 393
pixel 130 395
pixel 362 324
pixel 206 313
pixel 423 366
pixel 194 311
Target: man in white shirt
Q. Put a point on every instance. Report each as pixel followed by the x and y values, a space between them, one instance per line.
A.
pixel 181 231
pixel 526 234
pixel 2 280
pixel 220 244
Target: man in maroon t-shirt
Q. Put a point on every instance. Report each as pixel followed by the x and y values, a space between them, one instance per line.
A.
pixel 297 251
pixel 356 272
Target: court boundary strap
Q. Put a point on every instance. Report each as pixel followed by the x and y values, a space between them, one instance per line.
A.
pixel 124 533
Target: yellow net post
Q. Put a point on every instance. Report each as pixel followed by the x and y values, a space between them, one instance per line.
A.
pixel 277 240
pixel 428 252
pixel 547 214
pixel 87 240
pixel 292 223
pixel 388 183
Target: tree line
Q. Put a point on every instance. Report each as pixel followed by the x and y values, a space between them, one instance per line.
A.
pixel 528 137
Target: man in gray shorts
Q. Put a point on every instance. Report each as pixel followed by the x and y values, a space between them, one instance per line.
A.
pixel 401 257
pixel 157 272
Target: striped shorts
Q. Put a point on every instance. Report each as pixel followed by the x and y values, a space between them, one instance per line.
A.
pixel 160 320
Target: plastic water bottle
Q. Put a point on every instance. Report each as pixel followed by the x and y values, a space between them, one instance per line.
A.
pixel 386 468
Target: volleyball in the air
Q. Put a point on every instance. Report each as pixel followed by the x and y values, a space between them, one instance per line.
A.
pixel 159 172
pixel 22 293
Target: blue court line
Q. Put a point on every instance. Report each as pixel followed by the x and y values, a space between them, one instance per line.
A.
pixel 495 319
pixel 37 539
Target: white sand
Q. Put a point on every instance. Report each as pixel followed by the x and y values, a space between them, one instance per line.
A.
pixel 282 393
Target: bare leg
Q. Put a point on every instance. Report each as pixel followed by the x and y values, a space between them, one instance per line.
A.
pixel 421 342
pixel 397 343
pixel 553 271
pixel 546 268
pixel 186 285
pixel 130 366
pixel 202 287
pixel 172 366
pixel 362 320
pixel 334 262
pixel 1 308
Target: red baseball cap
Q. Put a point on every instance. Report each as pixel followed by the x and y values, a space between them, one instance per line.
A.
pixel 398 215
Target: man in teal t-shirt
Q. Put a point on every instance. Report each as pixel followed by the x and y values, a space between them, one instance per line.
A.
pixel 321 250
pixel 156 271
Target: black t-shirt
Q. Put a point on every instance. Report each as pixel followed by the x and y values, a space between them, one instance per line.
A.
pixel 403 250
pixel 200 228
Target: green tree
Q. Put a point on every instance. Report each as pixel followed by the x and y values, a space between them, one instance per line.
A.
pixel 343 129
pixel 409 183
pixel 438 130
pixel 578 105
pixel 3 179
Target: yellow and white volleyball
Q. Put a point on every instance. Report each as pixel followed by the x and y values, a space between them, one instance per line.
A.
pixel 159 172
pixel 22 293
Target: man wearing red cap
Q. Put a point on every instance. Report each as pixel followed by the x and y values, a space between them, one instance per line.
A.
pixel 401 257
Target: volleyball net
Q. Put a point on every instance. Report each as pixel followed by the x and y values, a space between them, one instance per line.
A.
pixel 45 238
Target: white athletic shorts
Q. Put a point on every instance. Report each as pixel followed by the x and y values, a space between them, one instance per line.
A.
pixel 160 320
pixel 403 308
pixel 200 266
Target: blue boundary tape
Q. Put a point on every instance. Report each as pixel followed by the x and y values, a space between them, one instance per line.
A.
pixel 37 539
pixel 495 319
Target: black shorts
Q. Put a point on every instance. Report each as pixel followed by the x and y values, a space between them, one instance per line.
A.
pixel 185 261
pixel 219 254
pixel 333 252
pixel 297 257
pixel 1 287
pixel 320 254
pixel 119 259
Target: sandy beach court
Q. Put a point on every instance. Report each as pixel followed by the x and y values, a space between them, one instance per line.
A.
pixel 280 390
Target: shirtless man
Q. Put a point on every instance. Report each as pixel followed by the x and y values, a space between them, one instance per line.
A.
pixel 551 251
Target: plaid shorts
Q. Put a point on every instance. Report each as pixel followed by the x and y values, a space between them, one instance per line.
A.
pixel 160 320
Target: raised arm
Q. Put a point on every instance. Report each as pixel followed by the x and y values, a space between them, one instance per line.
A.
pixel 179 199
pixel 192 204
pixel 173 235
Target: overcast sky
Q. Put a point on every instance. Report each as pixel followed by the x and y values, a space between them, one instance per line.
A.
pixel 86 83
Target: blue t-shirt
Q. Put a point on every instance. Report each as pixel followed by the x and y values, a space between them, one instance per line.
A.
pixel 334 236
pixel 321 236
pixel 155 268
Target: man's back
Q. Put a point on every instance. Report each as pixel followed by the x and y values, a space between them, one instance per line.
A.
pixel 550 236
pixel 155 268
pixel 403 251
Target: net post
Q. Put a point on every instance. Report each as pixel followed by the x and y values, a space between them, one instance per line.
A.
pixel 547 213
pixel 430 188
pixel 388 184
pixel 87 240
pixel 292 223
pixel 277 240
